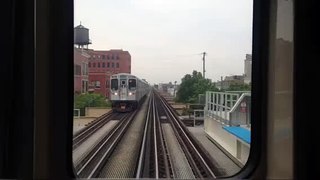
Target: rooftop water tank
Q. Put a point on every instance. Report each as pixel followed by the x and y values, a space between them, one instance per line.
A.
pixel 81 35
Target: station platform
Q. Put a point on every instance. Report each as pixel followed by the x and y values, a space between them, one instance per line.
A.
pixel 239 132
pixel 225 163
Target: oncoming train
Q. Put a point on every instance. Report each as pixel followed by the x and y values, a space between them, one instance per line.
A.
pixel 127 91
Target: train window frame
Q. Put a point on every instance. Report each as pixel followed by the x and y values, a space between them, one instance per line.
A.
pixel 260 50
pixel 59 126
pixel 46 149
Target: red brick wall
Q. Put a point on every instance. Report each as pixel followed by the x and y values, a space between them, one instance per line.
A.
pixel 102 74
pixel 79 57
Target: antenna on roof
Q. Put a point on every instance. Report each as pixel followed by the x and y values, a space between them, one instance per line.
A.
pixel 80 22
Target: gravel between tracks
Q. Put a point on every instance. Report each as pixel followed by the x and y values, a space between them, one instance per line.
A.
pixel 86 146
pixel 181 167
pixel 122 162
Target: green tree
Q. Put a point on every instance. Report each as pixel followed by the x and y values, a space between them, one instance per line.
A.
pixel 192 85
pixel 90 100
pixel 239 87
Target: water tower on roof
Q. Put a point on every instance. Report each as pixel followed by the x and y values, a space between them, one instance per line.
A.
pixel 81 36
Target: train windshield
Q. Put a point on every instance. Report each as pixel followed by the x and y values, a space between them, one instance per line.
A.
pixel 114 84
pixel 132 84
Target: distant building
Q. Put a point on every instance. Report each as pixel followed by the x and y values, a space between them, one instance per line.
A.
pixel 103 64
pixel 168 88
pixel 247 68
pixel 81 59
pixel 230 80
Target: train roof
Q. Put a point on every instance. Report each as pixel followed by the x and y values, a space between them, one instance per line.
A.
pixel 127 74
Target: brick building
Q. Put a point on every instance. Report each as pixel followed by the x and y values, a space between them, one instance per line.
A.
pixel 102 64
pixel 81 60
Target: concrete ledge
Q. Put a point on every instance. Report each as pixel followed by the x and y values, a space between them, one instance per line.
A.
pixel 235 160
pixel 95 112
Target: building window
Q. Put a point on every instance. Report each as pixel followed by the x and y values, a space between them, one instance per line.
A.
pixel 117 65
pixel 108 57
pixel 112 57
pixel 77 70
pixel 89 64
pixel 107 84
pixel 97 84
pixel 117 57
pixel 84 86
pixel 94 64
pixel 103 64
pixel 113 65
pixel 98 64
pixel 84 69
pixel 108 64
pixel 103 56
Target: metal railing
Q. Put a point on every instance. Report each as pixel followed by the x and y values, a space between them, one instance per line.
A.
pixel 229 108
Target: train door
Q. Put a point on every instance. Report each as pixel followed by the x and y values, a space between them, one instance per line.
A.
pixel 123 88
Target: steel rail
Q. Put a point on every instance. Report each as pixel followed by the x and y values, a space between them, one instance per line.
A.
pixel 95 121
pixel 155 143
pixel 112 146
pixel 91 150
pixel 97 150
pixel 208 169
pixel 89 130
pixel 143 144
pixel 162 148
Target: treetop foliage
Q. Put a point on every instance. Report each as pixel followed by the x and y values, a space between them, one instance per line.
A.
pixel 192 85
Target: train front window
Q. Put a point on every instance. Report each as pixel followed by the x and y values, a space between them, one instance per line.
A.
pixel 114 84
pixel 132 84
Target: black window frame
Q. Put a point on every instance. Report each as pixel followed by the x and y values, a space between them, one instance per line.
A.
pixel 59 126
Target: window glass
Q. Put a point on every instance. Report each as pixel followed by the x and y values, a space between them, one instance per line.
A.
pixel 97 84
pixel 77 70
pixel 132 84
pixel 114 84
pixel 194 52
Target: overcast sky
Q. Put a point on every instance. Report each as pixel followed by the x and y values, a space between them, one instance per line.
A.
pixel 165 37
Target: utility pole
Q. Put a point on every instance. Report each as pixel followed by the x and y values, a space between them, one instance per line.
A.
pixel 174 89
pixel 204 64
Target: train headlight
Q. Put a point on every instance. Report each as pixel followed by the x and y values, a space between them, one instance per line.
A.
pixel 115 93
pixel 130 93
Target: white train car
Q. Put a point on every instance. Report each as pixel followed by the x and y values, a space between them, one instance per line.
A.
pixel 127 91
